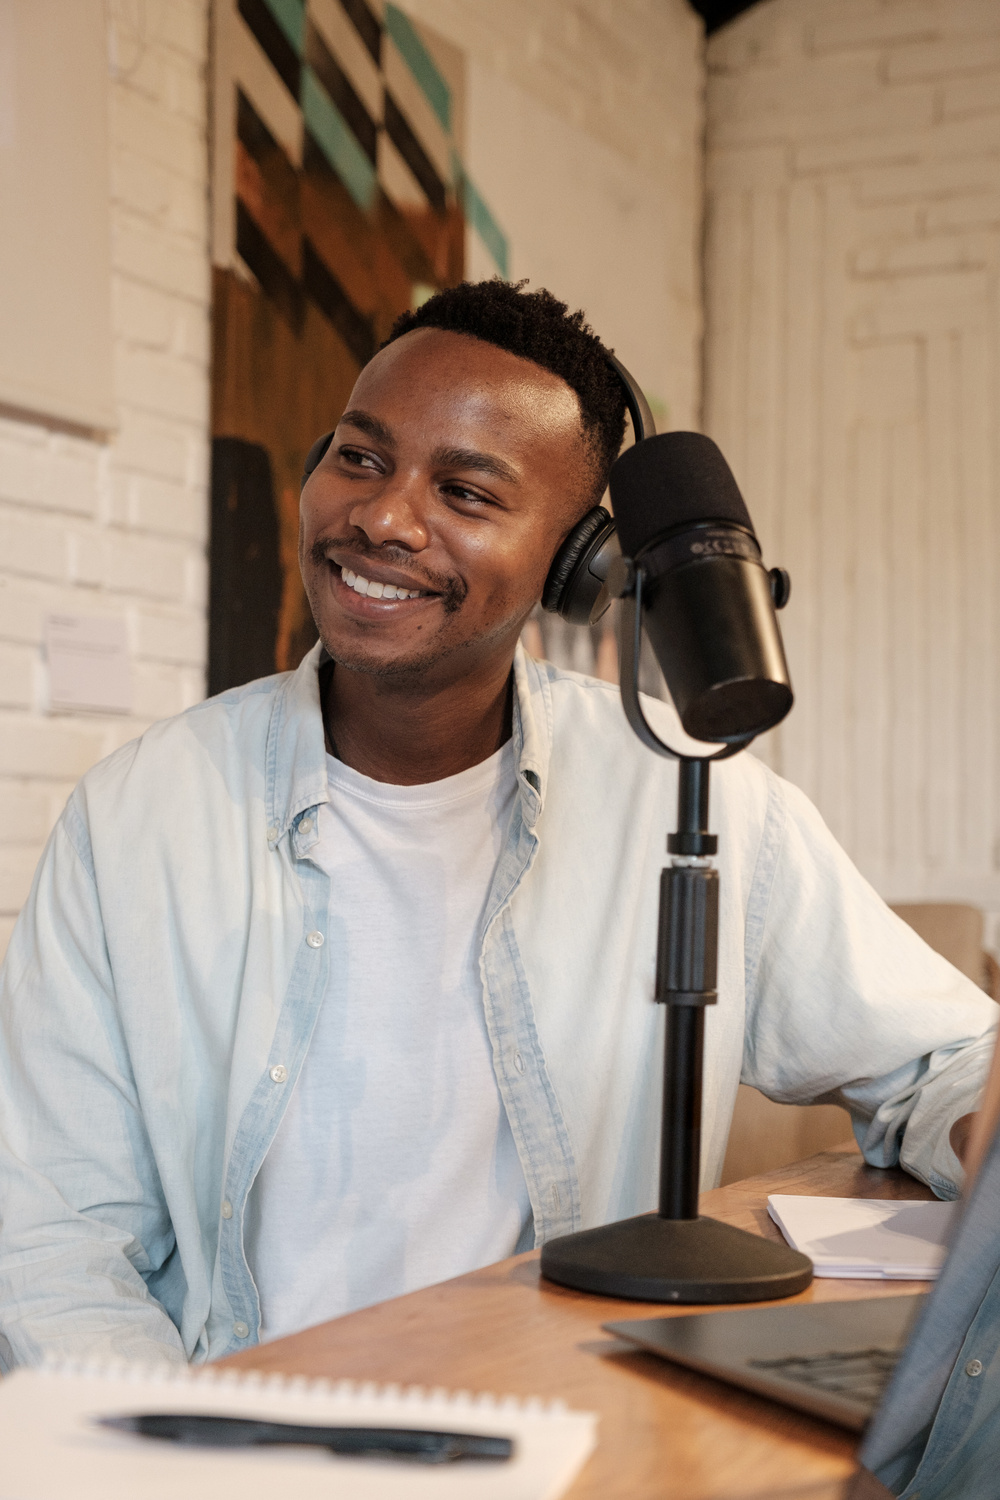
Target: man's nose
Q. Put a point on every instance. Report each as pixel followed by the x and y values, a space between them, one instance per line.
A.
pixel 395 514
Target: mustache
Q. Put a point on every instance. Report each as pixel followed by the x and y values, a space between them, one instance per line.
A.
pixel 452 589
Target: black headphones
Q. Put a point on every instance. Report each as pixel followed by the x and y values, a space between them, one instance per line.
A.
pixel 575 587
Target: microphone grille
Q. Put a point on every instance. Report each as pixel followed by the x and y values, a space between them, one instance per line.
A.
pixel 668 480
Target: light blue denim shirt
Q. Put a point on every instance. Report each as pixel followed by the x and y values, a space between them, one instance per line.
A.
pixel 936 1435
pixel 163 982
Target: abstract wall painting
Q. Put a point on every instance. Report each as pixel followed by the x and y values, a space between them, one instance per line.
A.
pixel 340 199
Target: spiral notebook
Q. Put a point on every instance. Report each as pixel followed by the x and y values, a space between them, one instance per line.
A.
pixel 51 1449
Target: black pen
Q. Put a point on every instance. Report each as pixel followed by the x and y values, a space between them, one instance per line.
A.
pixel 357 1442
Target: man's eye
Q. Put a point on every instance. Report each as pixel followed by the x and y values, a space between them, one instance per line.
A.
pixel 358 458
pixel 466 496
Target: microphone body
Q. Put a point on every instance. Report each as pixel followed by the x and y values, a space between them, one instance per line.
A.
pixel 707 603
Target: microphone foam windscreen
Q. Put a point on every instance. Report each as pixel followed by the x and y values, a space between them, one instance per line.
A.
pixel 668 480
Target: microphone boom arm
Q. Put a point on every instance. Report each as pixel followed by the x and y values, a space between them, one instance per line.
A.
pixel 625 581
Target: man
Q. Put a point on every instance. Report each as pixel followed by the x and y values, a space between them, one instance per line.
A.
pixel 341 983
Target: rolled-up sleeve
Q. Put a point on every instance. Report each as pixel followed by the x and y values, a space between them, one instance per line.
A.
pixel 847 1005
pixel 83 1225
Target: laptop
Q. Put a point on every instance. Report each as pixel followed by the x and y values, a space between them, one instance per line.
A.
pixel 837 1359
pixel 832 1359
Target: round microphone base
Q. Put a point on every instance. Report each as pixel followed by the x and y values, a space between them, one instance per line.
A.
pixel 649 1259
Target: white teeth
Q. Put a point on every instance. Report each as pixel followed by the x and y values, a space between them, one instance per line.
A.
pixel 365 586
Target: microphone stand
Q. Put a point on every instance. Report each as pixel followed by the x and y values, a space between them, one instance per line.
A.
pixel 675 1255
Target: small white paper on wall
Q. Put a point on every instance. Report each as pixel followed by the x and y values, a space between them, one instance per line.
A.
pixel 89 665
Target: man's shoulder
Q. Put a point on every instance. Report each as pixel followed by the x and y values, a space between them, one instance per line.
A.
pixel 220 731
pixel 588 723
pixel 574 689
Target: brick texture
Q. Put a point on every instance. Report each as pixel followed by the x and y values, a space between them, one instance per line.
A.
pixel 118 528
pixel 853 376
pixel 584 134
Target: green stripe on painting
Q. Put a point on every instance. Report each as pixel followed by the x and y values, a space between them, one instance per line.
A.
pixel 420 63
pixel 337 141
pixel 478 215
pixel 291 17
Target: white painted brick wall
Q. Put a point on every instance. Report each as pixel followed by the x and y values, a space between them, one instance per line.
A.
pixel 585 137
pixel 853 377
pixel 118 528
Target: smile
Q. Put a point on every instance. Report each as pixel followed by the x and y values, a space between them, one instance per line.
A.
pixel 366 587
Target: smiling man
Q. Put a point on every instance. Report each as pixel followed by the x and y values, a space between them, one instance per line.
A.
pixel 342 982
pixel 452 478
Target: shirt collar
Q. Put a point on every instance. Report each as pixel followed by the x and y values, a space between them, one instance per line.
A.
pixel 532 732
pixel 296 746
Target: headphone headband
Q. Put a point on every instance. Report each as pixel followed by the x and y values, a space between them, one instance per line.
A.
pixel 643 425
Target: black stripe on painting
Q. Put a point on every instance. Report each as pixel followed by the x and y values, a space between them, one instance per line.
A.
pixel 400 132
pixel 251 131
pixel 279 50
pixel 244 571
pixel 335 305
pixel 276 280
pixel 366 24
pixel 335 81
pixel 717 12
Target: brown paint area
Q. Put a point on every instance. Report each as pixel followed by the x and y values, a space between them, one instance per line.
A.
pixel 329 280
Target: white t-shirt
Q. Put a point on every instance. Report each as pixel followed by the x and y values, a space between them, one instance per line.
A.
pixel 394 1165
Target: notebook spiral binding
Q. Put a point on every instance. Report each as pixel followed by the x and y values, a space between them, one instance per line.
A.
pixel 312 1388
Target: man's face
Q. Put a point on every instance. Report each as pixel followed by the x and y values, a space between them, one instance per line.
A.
pixel 428 529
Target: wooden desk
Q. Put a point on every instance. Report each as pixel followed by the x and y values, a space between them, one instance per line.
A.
pixel 665 1432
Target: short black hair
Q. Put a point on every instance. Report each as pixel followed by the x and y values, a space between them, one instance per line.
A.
pixel 537 326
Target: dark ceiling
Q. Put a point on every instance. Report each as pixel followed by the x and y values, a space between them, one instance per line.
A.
pixel 717 12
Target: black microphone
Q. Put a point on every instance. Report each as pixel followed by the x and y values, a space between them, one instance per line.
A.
pixel 707 600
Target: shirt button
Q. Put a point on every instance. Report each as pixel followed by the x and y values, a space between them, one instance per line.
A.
pixel 227 1209
pixel 519 1062
pixel 306 825
pixel 279 1073
pixel 315 939
pixel 241 1330
pixel 272 833
pixel 974 1368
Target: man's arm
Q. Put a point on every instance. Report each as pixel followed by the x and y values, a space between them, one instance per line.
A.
pixel 847 1005
pixel 972 1134
pixel 82 1218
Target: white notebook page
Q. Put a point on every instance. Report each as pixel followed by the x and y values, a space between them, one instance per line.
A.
pixel 51 1449
pixel 870 1238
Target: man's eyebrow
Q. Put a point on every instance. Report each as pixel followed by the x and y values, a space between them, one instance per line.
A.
pixel 471 458
pixel 365 422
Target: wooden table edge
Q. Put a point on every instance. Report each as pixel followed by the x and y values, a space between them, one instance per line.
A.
pixel 503 1329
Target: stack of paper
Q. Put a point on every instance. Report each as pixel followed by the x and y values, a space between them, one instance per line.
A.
pixel 878 1238
pixel 51 1449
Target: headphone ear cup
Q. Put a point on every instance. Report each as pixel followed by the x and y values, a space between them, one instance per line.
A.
pixel 563 593
pixel 315 455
